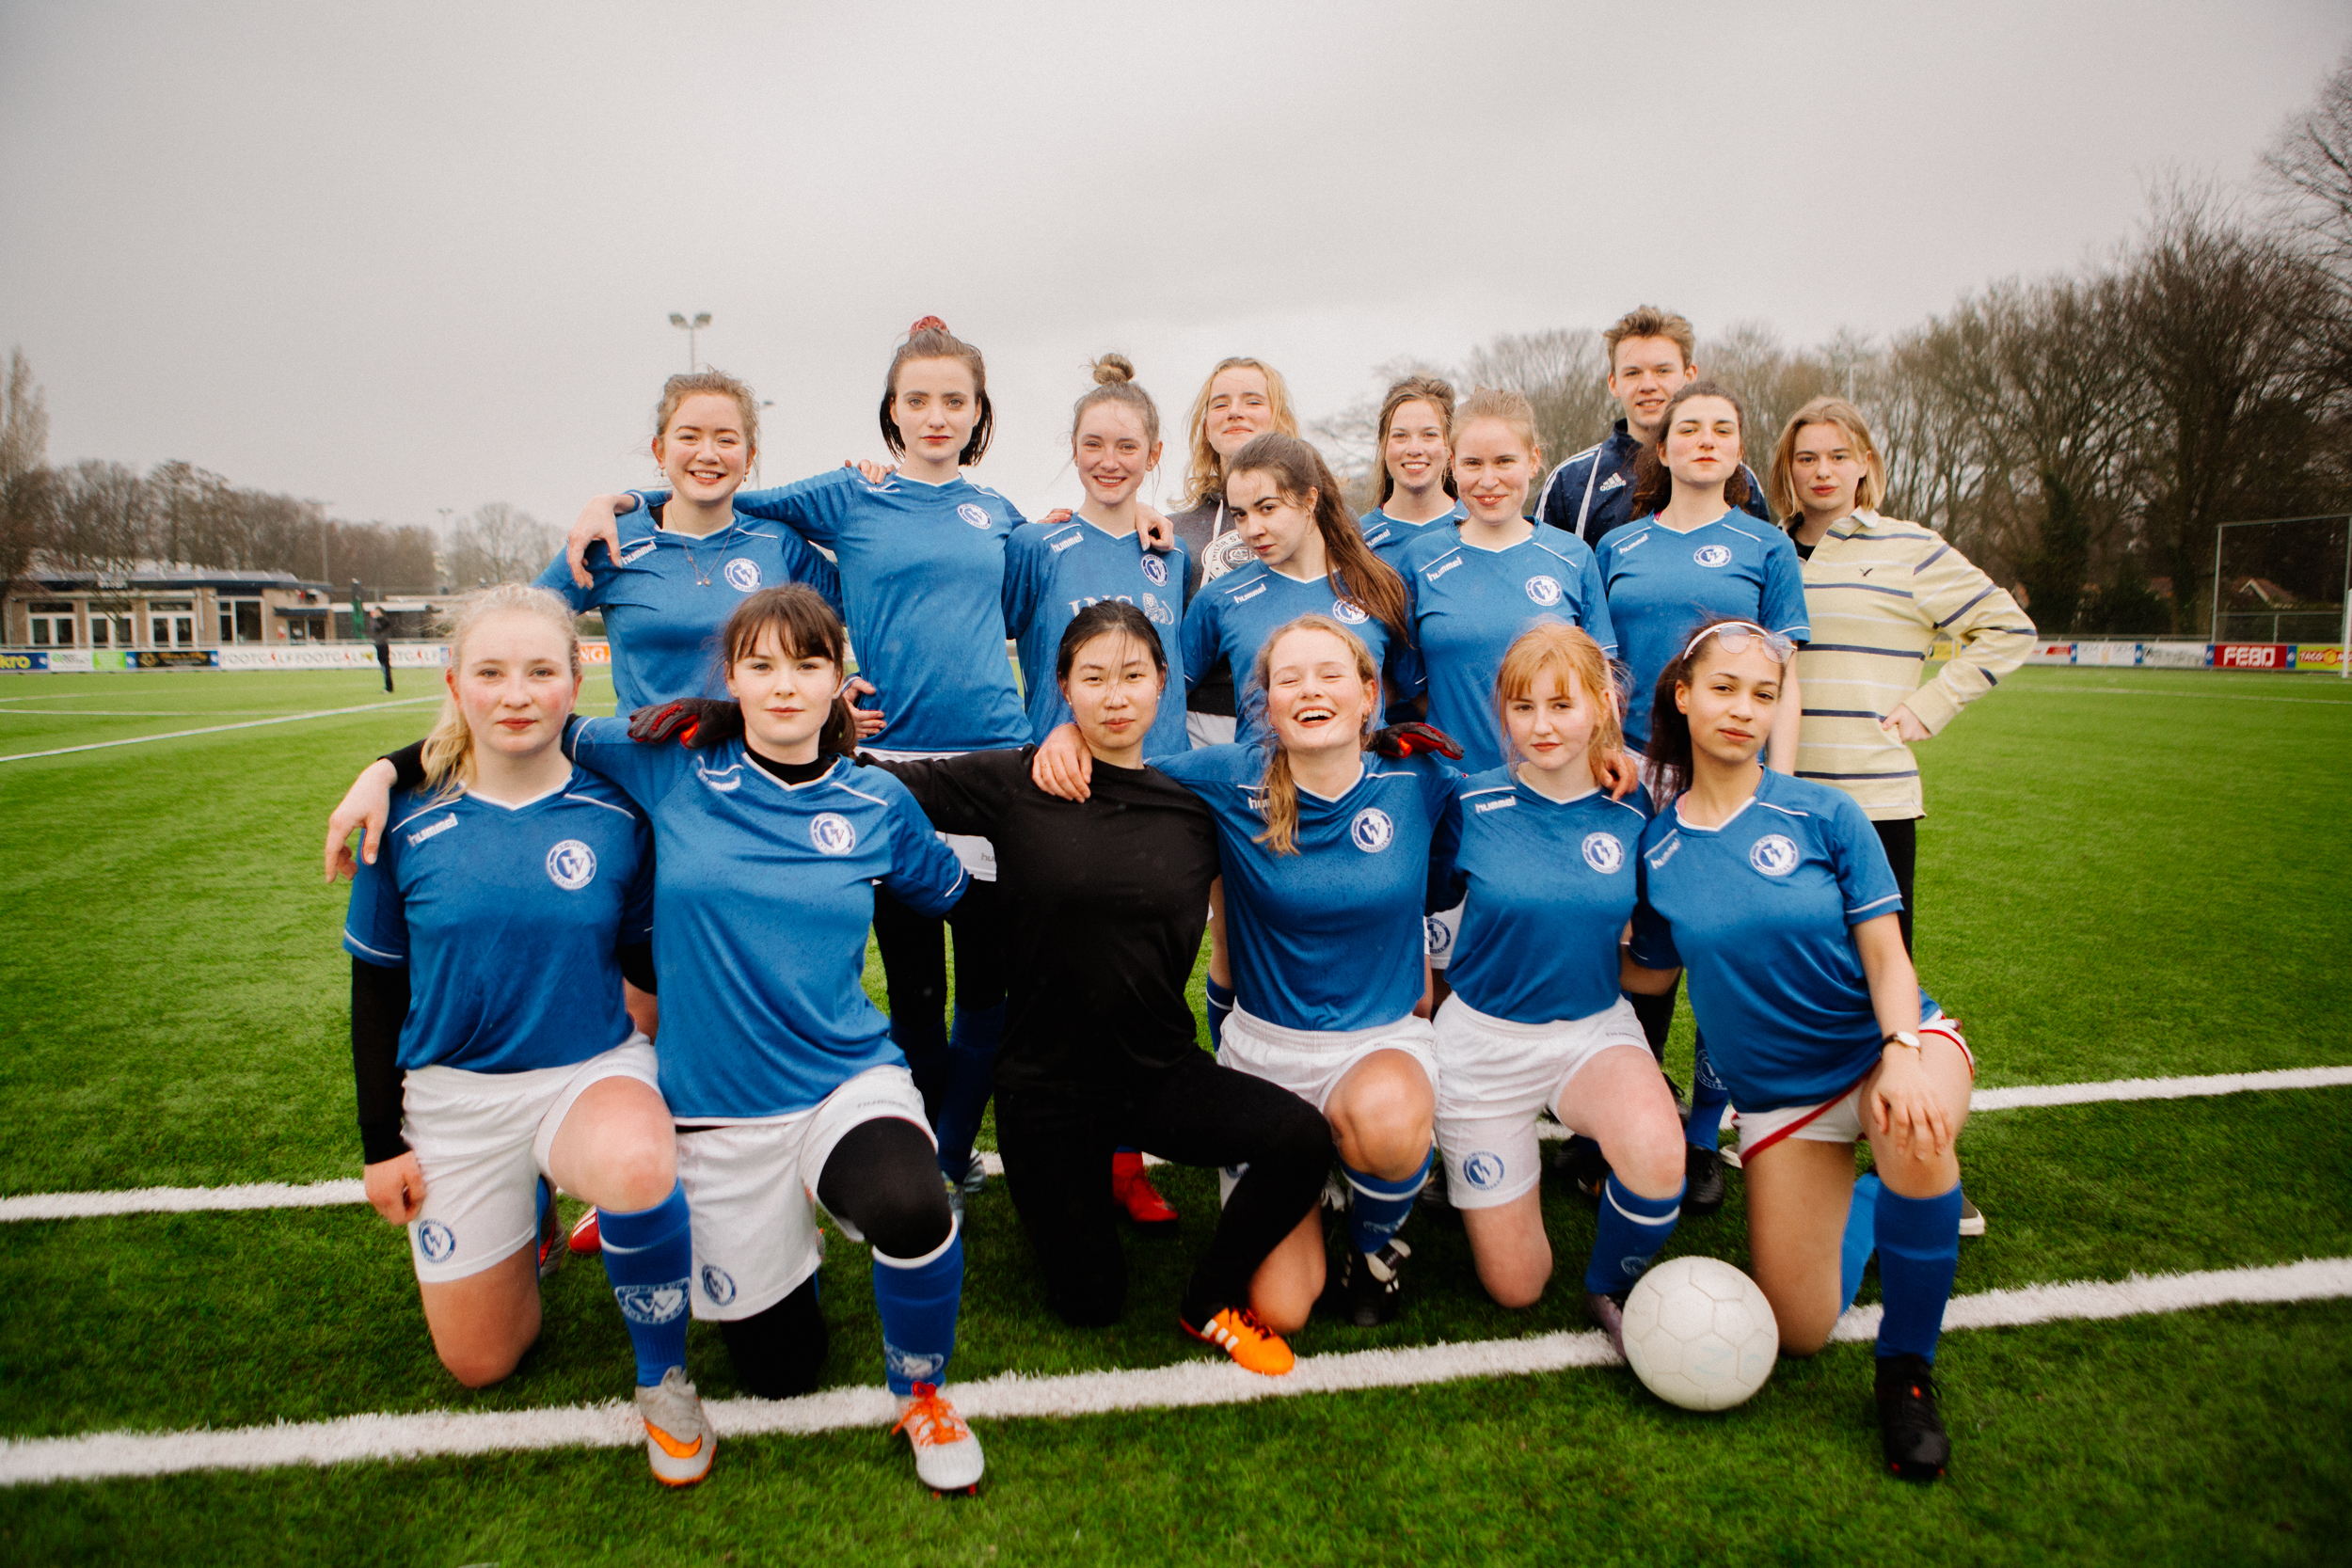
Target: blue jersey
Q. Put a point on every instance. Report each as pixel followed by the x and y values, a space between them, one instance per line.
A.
pixel 923 574
pixel 761 905
pixel 1759 910
pixel 1230 618
pixel 1548 889
pixel 667 596
pixel 1662 585
pixel 1053 572
pixel 1330 938
pixel 1389 537
pixel 507 919
pixel 1591 494
pixel 1468 604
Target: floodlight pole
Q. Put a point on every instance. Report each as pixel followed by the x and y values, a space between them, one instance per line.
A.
pixel 702 319
pixel 2218 532
pixel 2343 638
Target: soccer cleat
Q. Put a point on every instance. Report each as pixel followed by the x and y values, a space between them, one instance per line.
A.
pixel 947 1455
pixel 1237 1332
pixel 1971 1217
pixel 974 1176
pixel 1609 1313
pixel 678 1439
pixel 1910 1430
pixel 1369 1292
pixel 551 1248
pixel 955 1198
pixel 1133 1192
pixel 1581 1161
pixel 1702 1169
pixel 586 1238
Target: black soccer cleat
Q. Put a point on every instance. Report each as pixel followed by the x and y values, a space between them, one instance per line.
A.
pixel 1608 1312
pixel 1703 1170
pixel 1369 1290
pixel 1910 1430
pixel 1582 1162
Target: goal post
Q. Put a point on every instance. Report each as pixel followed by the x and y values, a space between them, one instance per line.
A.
pixel 2284 581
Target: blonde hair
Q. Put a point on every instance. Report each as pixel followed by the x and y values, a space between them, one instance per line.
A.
pixel 1115 382
pixel 1206 476
pixel 1648 321
pixel 449 750
pixel 710 383
pixel 1782 487
pixel 1511 408
pixel 1414 388
pixel 1559 650
pixel 1277 792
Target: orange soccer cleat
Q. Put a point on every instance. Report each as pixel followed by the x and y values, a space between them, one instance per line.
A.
pixel 1237 1332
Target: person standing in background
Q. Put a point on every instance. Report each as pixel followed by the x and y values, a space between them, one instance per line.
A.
pixel 380 634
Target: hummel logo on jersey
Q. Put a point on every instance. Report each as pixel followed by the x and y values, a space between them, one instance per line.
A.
pixel 742 575
pixel 1774 854
pixel 1155 571
pixel 1603 852
pixel 1543 589
pixel 1348 613
pixel 976 516
pixel 651 1304
pixel 571 865
pixel 444 825
pixel 1612 482
pixel 639 552
pixel 1711 555
pixel 1665 853
pixel 1070 542
pixel 1250 595
pixel 1437 572
pixel 1485 806
pixel 1372 830
pixel 833 833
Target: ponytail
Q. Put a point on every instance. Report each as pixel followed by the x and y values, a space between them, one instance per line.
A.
pixel 1277 792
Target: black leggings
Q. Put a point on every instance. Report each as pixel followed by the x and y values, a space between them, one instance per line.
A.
pixel 914 975
pixel 1901 839
pixel 882 1178
pixel 1057 1149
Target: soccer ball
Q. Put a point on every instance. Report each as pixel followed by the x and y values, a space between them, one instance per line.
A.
pixel 1700 1334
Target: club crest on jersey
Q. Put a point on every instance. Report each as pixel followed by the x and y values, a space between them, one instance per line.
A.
pixel 571 865
pixel 914 1368
pixel 651 1304
pixel 1774 854
pixel 1437 940
pixel 1604 852
pixel 742 575
pixel 717 1285
pixel 1483 1169
pixel 1347 613
pixel 1155 570
pixel 1544 589
pixel 1711 555
pixel 1372 830
pixel 976 516
pixel 436 1240
pixel 833 833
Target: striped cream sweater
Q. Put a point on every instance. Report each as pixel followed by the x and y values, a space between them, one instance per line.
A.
pixel 1879 593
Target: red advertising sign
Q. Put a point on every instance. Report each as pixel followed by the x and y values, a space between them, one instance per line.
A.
pixel 2253 655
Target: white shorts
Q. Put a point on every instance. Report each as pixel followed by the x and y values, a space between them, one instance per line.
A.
pixel 1310 1062
pixel 1209 729
pixel 1833 1122
pixel 1439 932
pixel 482 1140
pixel 1494 1076
pixel 978 854
pixel 750 1188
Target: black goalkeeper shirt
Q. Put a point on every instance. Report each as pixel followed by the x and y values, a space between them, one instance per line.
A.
pixel 1106 900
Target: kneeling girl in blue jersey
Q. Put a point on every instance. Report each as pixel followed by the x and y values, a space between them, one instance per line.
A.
pixel 489 938
pixel 1541 861
pixel 1777 895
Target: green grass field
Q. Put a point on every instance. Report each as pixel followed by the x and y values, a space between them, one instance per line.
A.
pixel 2125 874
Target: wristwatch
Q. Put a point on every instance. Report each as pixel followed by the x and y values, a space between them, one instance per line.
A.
pixel 1903 1037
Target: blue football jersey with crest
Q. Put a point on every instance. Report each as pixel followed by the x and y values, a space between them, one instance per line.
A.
pixel 1548 888
pixel 1468 604
pixel 1329 937
pixel 507 919
pixel 761 905
pixel 923 576
pixel 1661 585
pixel 1230 618
pixel 666 596
pixel 1390 537
pixel 1761 912
pixel 1051 572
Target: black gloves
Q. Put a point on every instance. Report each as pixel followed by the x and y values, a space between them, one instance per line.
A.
pixel 698 722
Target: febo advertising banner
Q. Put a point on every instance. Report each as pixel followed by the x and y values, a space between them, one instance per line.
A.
pixel 2254 655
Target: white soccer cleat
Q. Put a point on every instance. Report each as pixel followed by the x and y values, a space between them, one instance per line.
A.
pixel 947 1455
pixel 678 1439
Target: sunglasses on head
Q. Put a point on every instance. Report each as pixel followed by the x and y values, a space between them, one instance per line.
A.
pixel 1736 635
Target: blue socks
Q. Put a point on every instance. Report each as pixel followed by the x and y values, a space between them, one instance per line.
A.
pixel 918 1298
pixel 1708 1098
pixel 1379 1206
pixel 1854 1254
pixel 1919 1241
pixel 1632 1229
pixel 970 1078
pixel 1220 1008
pixel 648 1256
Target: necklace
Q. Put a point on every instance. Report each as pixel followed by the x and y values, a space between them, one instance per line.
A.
pixel 702 578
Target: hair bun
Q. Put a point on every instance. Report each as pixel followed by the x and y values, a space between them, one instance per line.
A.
pixel 1112 369
pixel 929 324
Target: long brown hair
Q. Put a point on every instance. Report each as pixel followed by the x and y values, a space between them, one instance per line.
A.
pixel 1670 746
pixel 1561 650
pixel 1277 792
pixel 448 755
pixel 1415 388
pixel 1205 479
pixel 1654 486
pixel 1297 469
pixel 803 626
pixel 929 338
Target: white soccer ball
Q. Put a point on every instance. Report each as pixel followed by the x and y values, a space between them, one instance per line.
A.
pixel 1700 1334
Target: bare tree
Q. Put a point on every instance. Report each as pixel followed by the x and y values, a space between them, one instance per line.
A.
pixel 1563 372
pixel 27 492
pixel 2309 166
pixel 500 544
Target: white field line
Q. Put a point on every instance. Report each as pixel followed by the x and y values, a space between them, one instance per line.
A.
pixel 326 1195
pixel 217 729
pixel 1010 1395
pixel 2208 696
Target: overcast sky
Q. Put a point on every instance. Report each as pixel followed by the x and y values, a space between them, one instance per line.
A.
pixel 401 257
